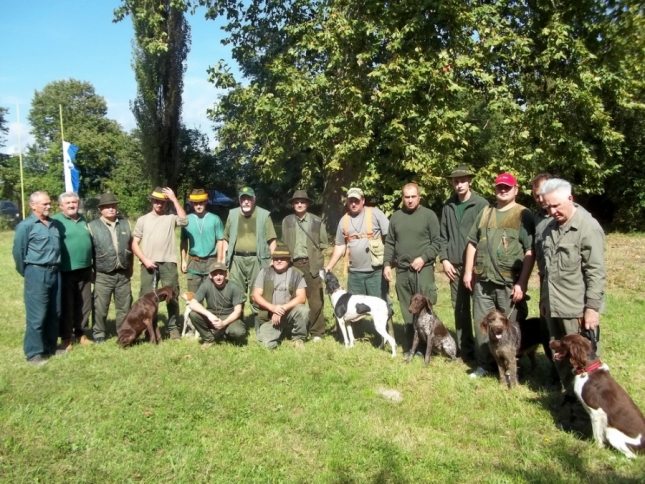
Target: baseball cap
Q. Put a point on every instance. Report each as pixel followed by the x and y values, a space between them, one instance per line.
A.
pixel 218 266
pixel 506 179
pixel 248 191
pixel 355 193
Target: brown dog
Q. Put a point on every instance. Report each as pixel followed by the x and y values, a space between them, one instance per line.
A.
pixel 429 328
pixel 508 341
pixel 143 317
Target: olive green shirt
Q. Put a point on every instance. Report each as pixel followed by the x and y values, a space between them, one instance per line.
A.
pixel 220 302
pixel 574 260
pixel 302 241
pixel 246 238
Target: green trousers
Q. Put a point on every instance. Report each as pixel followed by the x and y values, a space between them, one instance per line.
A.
pixel 315 300
pixel 294 322
pixel 106 284
pixel 460 298
pixel 234 332
pixel 409 282
pixel 488 296
pixel 202 267
pixel 244 271
pixel 164 275
pixel 371 284
pixel 76 299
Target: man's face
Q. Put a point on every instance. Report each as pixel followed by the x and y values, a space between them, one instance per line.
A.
pixel 69 207
pixel 158 206
pixel 505 194
pixel 281 264
pixel 199 207
pixel 355 205
pixel 247 204
pixel 411 198
pixel 539 199
pixel 300 206
pixel 41 205
pixel 461 184
pixel 559 205
pixel 219 278
pixel 109 212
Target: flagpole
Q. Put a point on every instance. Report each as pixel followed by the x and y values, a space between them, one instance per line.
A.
pixel 22 181
pixel 62 144
pixel 62 133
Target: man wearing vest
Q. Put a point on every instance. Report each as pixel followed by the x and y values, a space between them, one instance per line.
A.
pixel 305 236
pixel 249 240
pixel 156 232
pixel 222 316
pixel 76 271
pixel 280 293
pixel 204 235
pixel 458 215
pixel 412 243
pixel 499 260
pixel 113 263
pixel 361 231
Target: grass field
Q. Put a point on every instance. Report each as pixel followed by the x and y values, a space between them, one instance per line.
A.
pixel 176 413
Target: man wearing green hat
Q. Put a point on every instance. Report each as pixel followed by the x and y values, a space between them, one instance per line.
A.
pixel 201 241
pixel 280 293
pixel 156 232
pixel 113 264
pixel 457 217
pixel 305 236
pixel 223 316
pixel 249 240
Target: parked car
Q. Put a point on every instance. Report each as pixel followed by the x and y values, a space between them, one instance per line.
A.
pixel 10 212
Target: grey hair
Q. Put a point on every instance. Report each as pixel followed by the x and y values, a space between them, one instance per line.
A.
pixel 556 184
pixel 33 196
pixel 65 195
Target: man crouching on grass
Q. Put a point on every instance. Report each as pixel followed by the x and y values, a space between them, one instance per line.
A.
pixel 280 292
pixel 225 300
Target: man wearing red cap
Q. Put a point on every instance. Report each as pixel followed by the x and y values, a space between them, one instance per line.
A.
pixel 502 241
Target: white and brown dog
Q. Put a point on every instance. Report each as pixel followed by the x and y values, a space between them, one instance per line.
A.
pixel 615 418
pixel 188 324
pixel 349 308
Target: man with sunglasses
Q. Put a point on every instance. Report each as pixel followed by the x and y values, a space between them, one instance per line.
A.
pixel 202 241
pixel 499 260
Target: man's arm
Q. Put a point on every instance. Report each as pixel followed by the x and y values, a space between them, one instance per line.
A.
pixel 338 252
pixel 519 289
pixel 19 250
pixel 258 298
pixel 592 252
pixel 136 249
pixel 181 213
pixel 273 243
pixel 469 264
pixel 183 246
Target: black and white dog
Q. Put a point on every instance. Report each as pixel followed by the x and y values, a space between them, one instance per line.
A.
pixel 349 308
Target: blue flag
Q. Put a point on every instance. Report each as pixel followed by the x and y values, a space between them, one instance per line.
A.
pixel 72 176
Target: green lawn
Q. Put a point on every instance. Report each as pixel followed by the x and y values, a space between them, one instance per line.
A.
pixel 176 413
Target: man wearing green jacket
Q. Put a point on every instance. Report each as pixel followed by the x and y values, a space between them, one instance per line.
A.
pixel 457 218
pixel 249 241
pixel 574 274
pixel 412 244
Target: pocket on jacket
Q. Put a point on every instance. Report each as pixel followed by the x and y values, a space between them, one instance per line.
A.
pixel 568 257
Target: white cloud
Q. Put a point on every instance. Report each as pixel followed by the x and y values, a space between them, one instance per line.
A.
pixel 199 96
pixel 11 143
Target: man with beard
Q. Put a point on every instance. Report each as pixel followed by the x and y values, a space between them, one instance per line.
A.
pixel 249 240
pixel 412 244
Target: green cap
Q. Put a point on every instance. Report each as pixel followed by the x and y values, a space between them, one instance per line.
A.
pixel 218 266
pixel 248 191
pixel 281 252
pixel 460 171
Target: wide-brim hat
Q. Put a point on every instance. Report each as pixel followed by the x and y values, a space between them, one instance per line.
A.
pixel 107 199
pixel 198 195
pixel 300 194
pixel 158 194
pixel 281 252
pixel 246 191
pixel 217 266
pixel 460 171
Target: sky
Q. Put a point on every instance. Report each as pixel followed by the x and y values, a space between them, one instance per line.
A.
pixel 46 41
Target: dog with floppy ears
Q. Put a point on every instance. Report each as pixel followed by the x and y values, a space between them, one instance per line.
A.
pixel 350 307
pixel 429 328
pixel 615 418
pixel 143 317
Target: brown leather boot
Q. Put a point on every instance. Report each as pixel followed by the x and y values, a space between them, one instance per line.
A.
pixel 65 344
pixel 85 341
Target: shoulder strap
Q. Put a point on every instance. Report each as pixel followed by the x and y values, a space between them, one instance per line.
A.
pixel 346 226
pixel 488 245
pixel 368 214
pixel 299 223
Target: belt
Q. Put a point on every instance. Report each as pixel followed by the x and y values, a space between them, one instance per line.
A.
pixel 301 260
pixel 245 254
pixel 46 266
pixel 199 259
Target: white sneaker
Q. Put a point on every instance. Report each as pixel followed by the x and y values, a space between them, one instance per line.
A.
pixel 479 372
pixel 316 339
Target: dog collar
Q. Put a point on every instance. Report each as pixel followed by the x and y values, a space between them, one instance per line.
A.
pixel 588 369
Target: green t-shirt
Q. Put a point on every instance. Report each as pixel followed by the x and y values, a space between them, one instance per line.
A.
pixel 202 234
pixel 461 208
pixel 75 242
pixel 220 302
pixel 246 237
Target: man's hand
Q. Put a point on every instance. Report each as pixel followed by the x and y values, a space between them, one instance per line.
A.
pixel 184 266
pixel 449 270
pixel 387 273
pixel 468 280
pixel 170 194
pixel 275 319
pixel 592 318
pixel 417 264
pixel 149 264
pixel 517 293
pixel 279 310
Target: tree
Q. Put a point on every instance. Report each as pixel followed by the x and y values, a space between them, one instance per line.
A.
pixel 162 40
pixel 3 126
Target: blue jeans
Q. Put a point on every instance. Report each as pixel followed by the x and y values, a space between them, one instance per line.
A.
pixel 42 305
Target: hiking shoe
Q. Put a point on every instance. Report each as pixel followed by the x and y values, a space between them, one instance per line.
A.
pixel 174 335
pixel 98 340
pixel 298 344
pixel 85 341
pixel 60 352
pixel 205 346
pixel 316 339
pixel 479 372
pixel 65 344
pixel 37 361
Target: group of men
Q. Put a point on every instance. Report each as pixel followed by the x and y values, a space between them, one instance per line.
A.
pixel 487 252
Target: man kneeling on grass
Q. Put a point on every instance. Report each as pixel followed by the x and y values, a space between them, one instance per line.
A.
pixel 280 293
pixel 225 300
